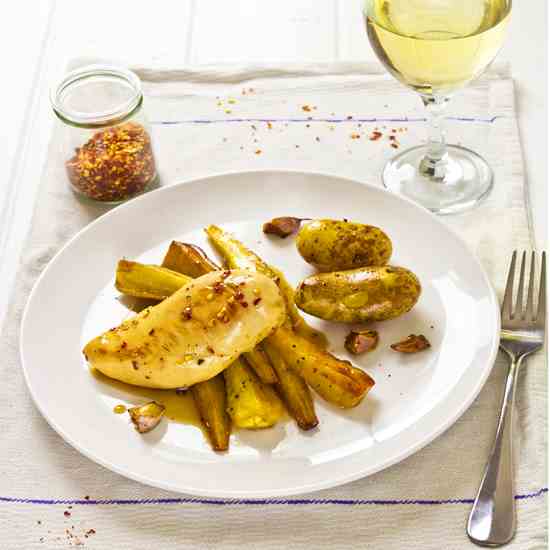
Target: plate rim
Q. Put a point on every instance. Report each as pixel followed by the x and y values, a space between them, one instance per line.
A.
pixel 304 488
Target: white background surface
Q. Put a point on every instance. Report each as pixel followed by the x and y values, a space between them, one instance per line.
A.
pixel 38 38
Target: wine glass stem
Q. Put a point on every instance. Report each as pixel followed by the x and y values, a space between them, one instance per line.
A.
pixel 433 165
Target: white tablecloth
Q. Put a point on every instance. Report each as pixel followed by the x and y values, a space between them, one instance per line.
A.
pixel 297 118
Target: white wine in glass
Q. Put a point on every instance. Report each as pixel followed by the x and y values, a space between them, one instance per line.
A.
pixel 436 47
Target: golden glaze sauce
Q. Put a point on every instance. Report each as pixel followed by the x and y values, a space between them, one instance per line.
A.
pixel 179 407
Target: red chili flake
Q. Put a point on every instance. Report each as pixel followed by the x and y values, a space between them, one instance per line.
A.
pixel 124 345
pixel 151 332
pixel 375 136
pixel 218 287
pixel 257 301
pixel 394 145
pixel 187 313
pixel 226 274
pixel 89 532
pixel 355 136
pixel 244 304
pixel 392 138
pixel 239 296
pixel 210 349
pixel 67 514
pixel 258 152
pixel 135 365
pixel 306 108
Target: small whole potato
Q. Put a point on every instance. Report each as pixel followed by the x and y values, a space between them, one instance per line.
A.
pixel 334 245
pixel 359 295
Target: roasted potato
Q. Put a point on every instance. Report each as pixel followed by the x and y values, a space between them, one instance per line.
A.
pixel 251 404
pixel 294 391
pixel 192 335
pixel 237 256
pixel 359 295
pixel 334 245
pixel 337 381
pixel 211 401
pixel 147 281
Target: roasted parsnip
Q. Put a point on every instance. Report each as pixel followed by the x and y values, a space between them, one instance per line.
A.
pixel 147 281
pixel 294 391
pixel 210 399
pixel 188 259
pixel 337 381
pixel 237 255
pixel 258 360
pixel 251 404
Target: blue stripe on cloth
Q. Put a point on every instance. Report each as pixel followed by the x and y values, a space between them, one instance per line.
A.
pixel 311 119
pixel 260 502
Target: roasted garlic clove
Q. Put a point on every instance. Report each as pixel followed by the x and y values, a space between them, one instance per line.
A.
pixel 147 417
pixel 358 342
pixel 412 344
pixel 282 227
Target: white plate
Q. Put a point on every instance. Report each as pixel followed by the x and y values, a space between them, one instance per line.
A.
pixel 415 397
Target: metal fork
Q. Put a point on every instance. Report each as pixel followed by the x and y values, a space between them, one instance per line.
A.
pixel 492 521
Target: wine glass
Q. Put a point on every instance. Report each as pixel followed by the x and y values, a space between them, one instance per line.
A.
pixel 436 47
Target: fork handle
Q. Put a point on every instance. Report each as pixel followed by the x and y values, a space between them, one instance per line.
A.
pixel 492 521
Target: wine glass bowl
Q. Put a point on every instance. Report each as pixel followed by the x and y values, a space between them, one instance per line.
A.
pixel 436 47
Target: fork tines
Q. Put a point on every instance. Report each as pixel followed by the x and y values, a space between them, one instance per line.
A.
pixel 525 312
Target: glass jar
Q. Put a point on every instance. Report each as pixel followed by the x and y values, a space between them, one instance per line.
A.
pixel 106 143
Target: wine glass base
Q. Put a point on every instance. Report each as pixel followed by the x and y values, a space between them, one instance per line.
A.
pixel 464 181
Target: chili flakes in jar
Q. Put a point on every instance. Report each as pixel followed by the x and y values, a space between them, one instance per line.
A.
pixel 114 164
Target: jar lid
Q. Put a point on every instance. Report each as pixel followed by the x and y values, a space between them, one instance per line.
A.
pixel 97 95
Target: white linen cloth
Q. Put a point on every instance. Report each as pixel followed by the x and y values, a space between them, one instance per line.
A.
pixel 213 120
